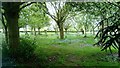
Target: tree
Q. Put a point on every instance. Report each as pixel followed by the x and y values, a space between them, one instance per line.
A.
pixel 62 10
pixel 11 13
pixel 78 22
pixel 24 19
pixel 34 17
pixel 43 22
pixel 88 23
pixel 83 15
pixel 109 31
pixel 82 22
pixel 38 18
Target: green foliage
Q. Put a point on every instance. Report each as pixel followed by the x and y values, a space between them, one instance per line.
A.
pixel 5 49
pixel 108 14
pixel 110 35
pixel 38 18
pixel 1 24
pixel 34 17
pixel 25 52
pixel 26 49
pixel 24 18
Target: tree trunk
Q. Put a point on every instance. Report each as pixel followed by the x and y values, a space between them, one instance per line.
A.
pixel 34 31
pixel 82 31
pixel 45 32
pixel 61 31
pixel 31 31
pixel 85 32
pixel 93 30
pixel 26 30
pixel 6 34
pixel 13 31
pixel 39 31
pixel 66 33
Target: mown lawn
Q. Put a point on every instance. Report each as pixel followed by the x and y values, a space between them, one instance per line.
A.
pixel 72 51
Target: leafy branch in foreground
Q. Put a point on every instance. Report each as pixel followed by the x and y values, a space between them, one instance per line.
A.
pixel 110 35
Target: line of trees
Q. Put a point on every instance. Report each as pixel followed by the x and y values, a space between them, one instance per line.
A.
pixel 34 17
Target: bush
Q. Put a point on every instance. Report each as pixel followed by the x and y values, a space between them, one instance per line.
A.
pixel 25 52
pixel 5 49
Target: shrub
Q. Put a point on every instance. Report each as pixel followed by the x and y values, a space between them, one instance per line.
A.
pixel 25 52
pixel 5 49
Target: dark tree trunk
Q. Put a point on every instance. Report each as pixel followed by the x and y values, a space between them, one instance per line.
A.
pixel 85 32
pixel 13 31
pixel 34 31
pixel 39 31
pixel 61 33
pixel 66 33
pixel 11 12
pixel 26 30
pixel 82 31
pixel 31 31
pixel 6 34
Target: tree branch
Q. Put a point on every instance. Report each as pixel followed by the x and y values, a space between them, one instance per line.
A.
pixel 47 12
pixel 54 7
pixel 3 22
pixel 26 5
pixel 114 4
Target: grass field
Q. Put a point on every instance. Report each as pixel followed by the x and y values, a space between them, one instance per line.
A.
pixel 72 51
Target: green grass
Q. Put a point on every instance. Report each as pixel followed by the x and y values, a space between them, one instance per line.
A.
pixel 72 51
